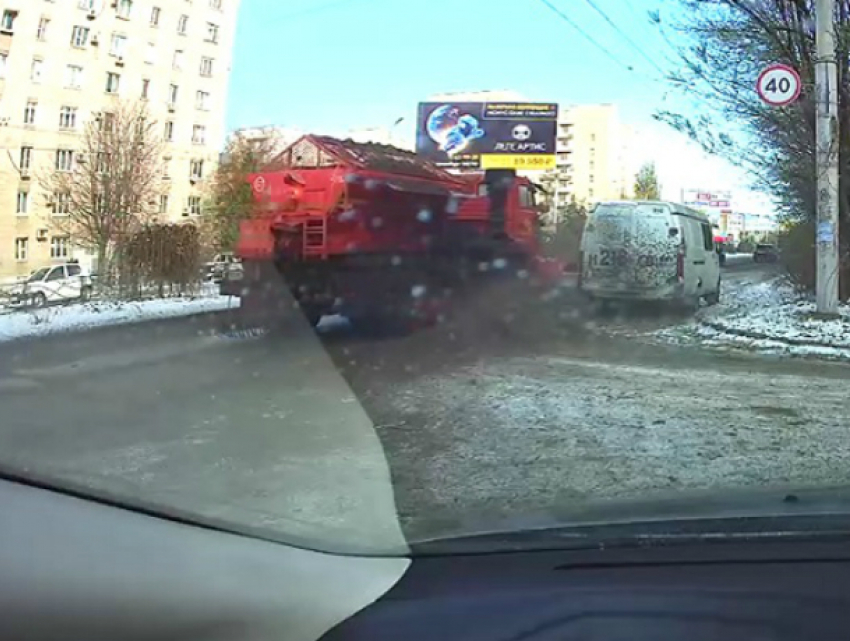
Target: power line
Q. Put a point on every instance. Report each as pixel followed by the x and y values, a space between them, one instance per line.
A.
pixel 625 36
pixel 586 35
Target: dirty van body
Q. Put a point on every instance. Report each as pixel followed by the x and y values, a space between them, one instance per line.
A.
pixel 649 251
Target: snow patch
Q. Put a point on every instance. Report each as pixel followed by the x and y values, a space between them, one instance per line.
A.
pixel 84 316
pixel 768 317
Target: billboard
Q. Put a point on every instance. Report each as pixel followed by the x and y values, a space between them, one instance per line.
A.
pixel 488 135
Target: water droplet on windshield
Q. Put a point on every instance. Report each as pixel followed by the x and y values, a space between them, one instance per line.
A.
pixel 347 215
pixel 395 261
pixel 418 291
pixel 371 184
pixel 453 205
pixel 500 263
pixel 424 216
pixel 377 222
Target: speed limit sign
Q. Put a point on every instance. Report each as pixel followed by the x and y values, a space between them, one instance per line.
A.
pixel 779 85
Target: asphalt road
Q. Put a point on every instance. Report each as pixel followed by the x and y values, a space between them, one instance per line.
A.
pixel 330 441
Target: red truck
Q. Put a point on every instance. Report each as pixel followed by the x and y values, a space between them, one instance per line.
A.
pixel 380 235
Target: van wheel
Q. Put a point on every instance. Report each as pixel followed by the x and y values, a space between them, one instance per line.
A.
pixel 714 297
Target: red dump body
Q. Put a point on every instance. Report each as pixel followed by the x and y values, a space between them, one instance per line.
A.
pixel 324 198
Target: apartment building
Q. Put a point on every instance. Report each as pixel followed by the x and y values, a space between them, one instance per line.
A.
pixel 595 155
pixel 64 62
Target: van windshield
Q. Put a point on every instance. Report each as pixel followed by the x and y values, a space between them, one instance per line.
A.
pixel 38 275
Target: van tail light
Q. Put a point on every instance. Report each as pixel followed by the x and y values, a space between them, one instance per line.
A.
pixel 680 264
pixel 580 268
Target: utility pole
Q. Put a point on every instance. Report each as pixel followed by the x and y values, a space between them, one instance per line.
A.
pixel 826 91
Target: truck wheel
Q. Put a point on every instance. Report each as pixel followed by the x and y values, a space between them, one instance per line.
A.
pixel 85 294
pixel 39 299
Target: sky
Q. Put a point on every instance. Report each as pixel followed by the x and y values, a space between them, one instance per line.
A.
pixel 330 66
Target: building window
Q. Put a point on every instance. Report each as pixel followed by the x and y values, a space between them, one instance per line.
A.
pixel 73 76
pixel 41 32
pixel 23 203
pixel 215 4
pixel 156 13
pixel 125 9
pixel 59 247
pixel 7 23
pixel 26 159
pixel 30 112
pixel 193 206
pixel 196 169
pixel 146 88
pixel 113 82
pixel 212 32
pixel 206 67
pixel 163 204
pixel 166 168
pixel 4 61
pixel 22 249
pixel 67 117
pixel 202 100
pixel 199 135
pixel 173 92
pixel 64 159
pixel 61 204
pixel 178 60
pixel 182 25
pixel 169 131
pixel 80 36
pixel 118 46
pixel 37 70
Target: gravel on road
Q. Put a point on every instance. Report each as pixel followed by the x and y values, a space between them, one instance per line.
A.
pixel 522 436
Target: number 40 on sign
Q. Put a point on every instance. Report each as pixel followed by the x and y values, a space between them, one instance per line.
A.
pixel 779 85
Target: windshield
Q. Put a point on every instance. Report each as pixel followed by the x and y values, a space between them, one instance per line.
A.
pixel 38 275
pixel 356 289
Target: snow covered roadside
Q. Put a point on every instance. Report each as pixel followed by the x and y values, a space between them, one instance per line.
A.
pixel 769 317
pixel 84 316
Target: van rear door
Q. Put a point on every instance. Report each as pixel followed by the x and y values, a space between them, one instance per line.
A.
pixel 629 248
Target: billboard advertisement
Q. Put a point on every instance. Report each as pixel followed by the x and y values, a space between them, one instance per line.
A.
pixel 717 205
pixel 488 135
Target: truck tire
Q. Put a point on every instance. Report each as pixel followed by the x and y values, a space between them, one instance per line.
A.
pixel 39 299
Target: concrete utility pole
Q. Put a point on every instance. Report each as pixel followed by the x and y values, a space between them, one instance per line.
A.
pixel 826 91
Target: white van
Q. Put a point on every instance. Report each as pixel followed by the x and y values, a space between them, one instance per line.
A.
pixel 646 250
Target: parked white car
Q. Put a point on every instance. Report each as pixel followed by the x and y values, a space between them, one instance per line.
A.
pixel 60 283
pixel 651 251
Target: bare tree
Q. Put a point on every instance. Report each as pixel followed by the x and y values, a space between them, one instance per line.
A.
pixel 231 197
pixel 722 45
pixel 110 186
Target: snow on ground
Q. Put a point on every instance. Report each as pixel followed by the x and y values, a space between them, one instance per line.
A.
pixel 521 436
pixel 770 317
pixel 84 316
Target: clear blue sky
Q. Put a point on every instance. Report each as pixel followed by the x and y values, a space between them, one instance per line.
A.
pixel 337 64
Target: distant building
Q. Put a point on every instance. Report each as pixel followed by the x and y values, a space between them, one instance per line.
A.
pixel 595 155
pixel 63 63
